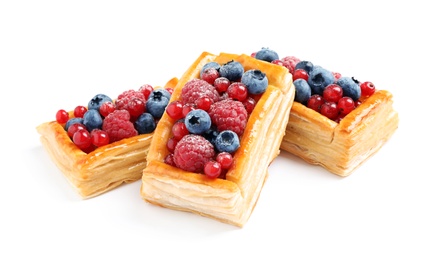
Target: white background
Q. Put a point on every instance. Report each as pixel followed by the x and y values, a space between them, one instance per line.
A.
pixel 58 54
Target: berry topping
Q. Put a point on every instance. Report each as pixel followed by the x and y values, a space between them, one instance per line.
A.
pixel 196 88
pixel 192 153
pixel 303 91
pixel 79 111
pixel 350 87
pixel 227 141
pixel 319 78
pixel 209 75
pixel 145 123
pixel 237 91
pixel 290 63
pixel 212 169
pixel 266 54
pixel 97 101
pixel 225 160
pixel 346 105
pixel 304 65
pixel 232 70
pixel 157 102
pixel 82 138
pixel 118 125
pixel 72 121
pixel 133 101
pixel 62 116
pixel 74 128
pixel 229 114
pixel 255 80
pixel 197 121
pixel 174 109
pixel 211 64
pixel 99 137
pixel 179 130
pixel 330 110
pixel 106 108
pixel 221 84
pixel 315 102
pixel 92 120
pixel 367 88
pixel 333 93
pixel 300 74
pixel 146 89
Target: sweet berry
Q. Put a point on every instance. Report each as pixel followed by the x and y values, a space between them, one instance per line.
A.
pixel 211 64
pixel 145 123
pixel 221 84
pixel 345 105
pixel 350 87
pixel 187 108
pixel 237 91
pixel 174 109
pixel 336 75
pixel 169 160
pixel 225 160
pixel 196 88
pixel 97 101
pixel 277 62
pixel 62 116
pixel 210 75
pixel 197 121
pixel 74 128
pixel 367 89
pixel 300 74
pixel 227 141
pixel 192 153
pixel 249 104
pixel 229 114
pixel 304 65
pixel 266 54
pixel 92 120
pixel 79 111
pixel 106 108
pixel 290 63
pixel 302 91
pixel 72 121
pixel 204 103
pixel 171 144
pixel 315 102
pixel 179 130
pixel 157 102
pixel 319 78
pixel 118 125
pixel 232 70
pixel 330 110
pixel 255 80
pixel 212 169
pixel 211 135
pixel 99 137
pixel 333 93
pixel 133 101
pixel 146 90
pixel 82 139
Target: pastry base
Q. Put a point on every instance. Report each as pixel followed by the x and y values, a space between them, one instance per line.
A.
pixel 233 199
pixel 341 147
pixel 101 170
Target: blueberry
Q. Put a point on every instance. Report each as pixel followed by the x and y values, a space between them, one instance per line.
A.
pixel 350 87
pixel 157 102
pixel 72 121
pixel 211 135
pixel 92 120
pixel 227 141
pixel 231 70
pixel 197 121
pixel 267 54
pixel 319 78
pixel 145 123
pixel 255 80
pixel 303 91
pixel 304 65
pixel 97 101
pixel 211 64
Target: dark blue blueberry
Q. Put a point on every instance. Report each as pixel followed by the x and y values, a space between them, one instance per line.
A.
pixel 255 80
pixel 319 78
pixel 211 135
pixel 266 54
pixel 227 141
pixel 72 121
pixel 231 70
pixel 211 64
pixel 350 87
pixel 304 65
pixel 92 120
pixel 157 102
pixel 97 101
pixel 303 91
pixel 145 123
pixel 197 121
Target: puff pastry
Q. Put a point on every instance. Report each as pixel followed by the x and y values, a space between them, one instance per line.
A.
pixel 104 168
pixel 341 147
pixel 233 199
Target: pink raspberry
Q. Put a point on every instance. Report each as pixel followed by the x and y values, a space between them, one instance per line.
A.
pixel 118 125
pixel 290 63
pixel 133 101
pixel 192 152
pixel 229 114
pixel 197 88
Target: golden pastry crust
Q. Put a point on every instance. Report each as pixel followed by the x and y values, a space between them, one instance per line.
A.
pixel 101 170
pixel 229 200
pixel 341 147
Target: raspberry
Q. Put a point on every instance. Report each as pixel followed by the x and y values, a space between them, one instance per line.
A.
pixel 196 88
pixel 229 114
pixel 133 101
pixel 118 125
pixel 290 63
pixel 192 152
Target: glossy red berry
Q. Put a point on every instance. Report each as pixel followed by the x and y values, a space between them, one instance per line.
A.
pixel 315 102
pixel 345 105
pixel 210 75
pixel 169 160
pixel 300 74
pixel 62 116
pixel 330 110
pixel 212 169
pixel 333 93
pixel 221 84
pixel 179 130
pixel 187 108
pixel 74 128
pixel 99 137
pixel 225 160
pixel 237 91
pixel 171 144
pixel 204 103
pixel 79 111
pixel 367 89
pixel 106 108
pixel 174 109
pixel 146 89
pixel 249 104
pixel 82 139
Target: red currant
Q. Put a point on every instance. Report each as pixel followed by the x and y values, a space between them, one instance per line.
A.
pixel 136 107
pixel 82 139
pixel 221 84
pixel 171 144
pixel 336 75
pixel 212 169
pixel 225 160
pixel 179 130
pixel 249 104
pixel 333 93
pixel 79 111
pixel 146 89
pixel 300 74
pixel 315 102
pixel 237 91
pixel 74 128
pixel 367 89
pixel 345 105
pixel 169 160
pixel 99 137
pixel 210 75
pixel 106 108
pixel 170 90
pixel 330 110
pixel 62 116
pixel 204 103
pixel 187 108
pixel 277 62
pixel 174 109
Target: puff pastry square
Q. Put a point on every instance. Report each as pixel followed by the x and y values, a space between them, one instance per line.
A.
pixel 101 170
pixel 233 199
pixel 341 147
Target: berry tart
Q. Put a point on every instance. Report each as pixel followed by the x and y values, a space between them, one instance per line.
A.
pixel 104 144
pixel 222 128
pixel 336 121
